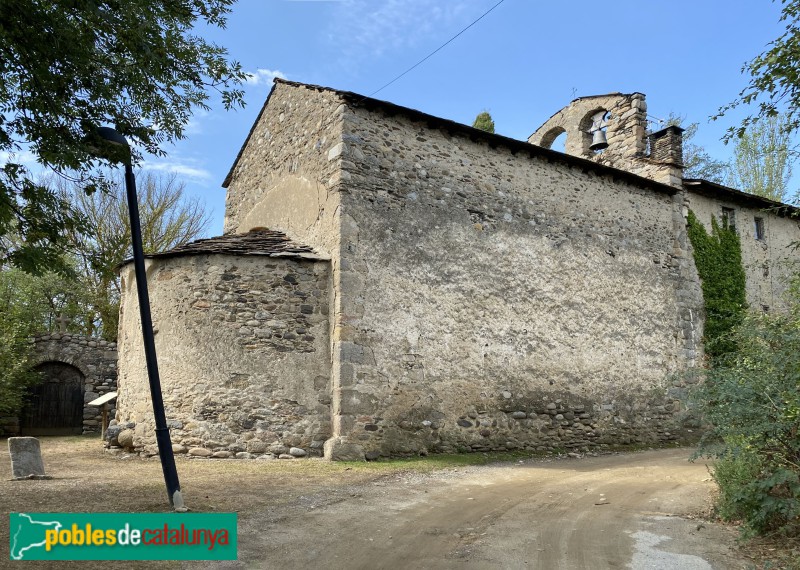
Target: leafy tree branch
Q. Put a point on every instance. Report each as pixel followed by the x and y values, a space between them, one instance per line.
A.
pixel 136 65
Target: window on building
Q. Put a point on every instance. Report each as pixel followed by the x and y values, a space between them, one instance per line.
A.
pixel 758 229
pixel 729 217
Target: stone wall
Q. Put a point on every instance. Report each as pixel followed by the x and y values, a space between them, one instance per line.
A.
pixel 287 177
pixel 96 359
pixel 770 262
pixel 243 353
pixel 492 299
pixel 477 293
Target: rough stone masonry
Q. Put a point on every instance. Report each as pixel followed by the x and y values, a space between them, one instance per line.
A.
pixel 94 359
pixel 444 289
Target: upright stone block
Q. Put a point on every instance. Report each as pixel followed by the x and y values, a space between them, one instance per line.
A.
pixel 339 449
pixel 26 458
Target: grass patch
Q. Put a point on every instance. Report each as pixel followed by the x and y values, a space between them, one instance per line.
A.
pixel 436 462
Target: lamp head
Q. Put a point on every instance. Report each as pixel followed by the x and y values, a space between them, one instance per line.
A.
pixel 112 136
pixel 107 143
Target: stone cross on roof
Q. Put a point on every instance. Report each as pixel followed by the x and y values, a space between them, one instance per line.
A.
pixel 62 321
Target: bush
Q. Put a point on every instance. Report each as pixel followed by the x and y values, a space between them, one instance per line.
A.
pixel 732 472
pixel 763 496
pixel 751 397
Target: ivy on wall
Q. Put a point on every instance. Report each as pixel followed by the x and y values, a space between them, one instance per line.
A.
pixel 718 258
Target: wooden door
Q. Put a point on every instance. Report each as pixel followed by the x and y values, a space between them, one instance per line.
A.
pixel 55 406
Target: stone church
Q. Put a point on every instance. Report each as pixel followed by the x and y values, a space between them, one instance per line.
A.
pixel 393 283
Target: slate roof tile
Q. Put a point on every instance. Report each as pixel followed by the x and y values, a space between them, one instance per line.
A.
pixel 269 243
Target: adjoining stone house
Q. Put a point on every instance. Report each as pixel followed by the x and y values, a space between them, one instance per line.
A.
pixel 390 282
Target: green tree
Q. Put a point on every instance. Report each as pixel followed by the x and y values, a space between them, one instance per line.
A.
pixel 61 295
pixel 23 314
pixel 762 161
pixel 697 163
pixel 774 78
pixel 68 67
pixel 168 217
pixel 29 305
pixel 484 122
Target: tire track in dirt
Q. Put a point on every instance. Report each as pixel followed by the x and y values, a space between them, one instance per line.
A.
pixel 559 514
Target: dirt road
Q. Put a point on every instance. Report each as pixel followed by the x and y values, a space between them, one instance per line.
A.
pixel 613 511
pixel 617 511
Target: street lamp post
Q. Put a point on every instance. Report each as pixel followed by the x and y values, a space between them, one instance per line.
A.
pixel 162 431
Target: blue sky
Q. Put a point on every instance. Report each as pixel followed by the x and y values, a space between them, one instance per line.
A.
pixel 522 62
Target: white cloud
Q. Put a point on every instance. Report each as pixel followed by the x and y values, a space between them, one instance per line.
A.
pixel 195 173
pixel 264 76
pixel 194 126
pixel 25 158
pixel 374 28
pixel 187 168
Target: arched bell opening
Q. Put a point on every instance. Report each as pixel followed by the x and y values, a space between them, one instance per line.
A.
pixel 556 139
pixel 594 131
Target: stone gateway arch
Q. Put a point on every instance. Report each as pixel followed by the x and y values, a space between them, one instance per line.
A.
pixel 74 370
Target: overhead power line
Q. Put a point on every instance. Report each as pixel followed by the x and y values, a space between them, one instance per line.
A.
pixel 427 57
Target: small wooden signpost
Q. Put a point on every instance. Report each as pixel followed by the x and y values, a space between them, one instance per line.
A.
pixel 103 401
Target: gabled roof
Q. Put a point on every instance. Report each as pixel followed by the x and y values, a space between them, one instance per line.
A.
pixel 517 146
pixel 266 243
pixel 493 140
pixel 720 192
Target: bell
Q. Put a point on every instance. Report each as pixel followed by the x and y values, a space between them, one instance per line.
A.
pixel 599 141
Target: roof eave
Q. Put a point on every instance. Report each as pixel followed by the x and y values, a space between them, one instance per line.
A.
pixel 229 176
pixel 453 127
pixel 708 188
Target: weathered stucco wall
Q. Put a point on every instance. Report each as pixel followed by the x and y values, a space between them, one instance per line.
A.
pixel 493 300
pixel 480 293
pixel 243 352
pixel 287 175
pixel 769 262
